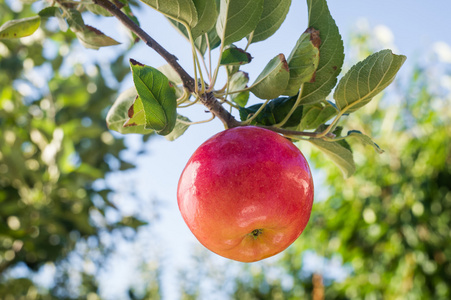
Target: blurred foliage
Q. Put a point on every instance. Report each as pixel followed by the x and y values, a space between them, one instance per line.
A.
pixel 54 145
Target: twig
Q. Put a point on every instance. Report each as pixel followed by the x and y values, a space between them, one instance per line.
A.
pixel 187 80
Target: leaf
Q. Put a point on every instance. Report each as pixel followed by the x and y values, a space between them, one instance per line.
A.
pixel 157 96
pixel 338 153
pixel 136 114
pixel 173 78
pixel 98 10
pixel 235 56
pixel 273 15
pixel 366 79
pixel 316 114
pixel 182 11
pixel 207 13
pixel 331 53
pixel 239 81
pixel 365 140
pixel 19 28
pixel 179 128
pixel 88 36
pixel 50 11
pixel 237 19
pixel 93 38
pixel 274 112
pixel 75 20
pixel 273 80
pixel 118 114
pixel 303 61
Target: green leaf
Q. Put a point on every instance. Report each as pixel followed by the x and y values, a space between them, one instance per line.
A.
pixel 366 79
pixel 365 140
pixel 273 80
pixel 173 78
pixel 75 20
pixel 235 56
pixel 331 53
pixel 88 36
pixel 179 128
pixel 237 19
pixel 51 11
pixel 303 61
pixel 207 14
pixel 182 11
pixel 19 28
pixel 338 153
pixel 118 114
pixel 98 10
pixel 239 81
pixel 93 38
pixel 274 112
pixel 273 15
pixel 136 114
pixel 158 97
pixel 316 114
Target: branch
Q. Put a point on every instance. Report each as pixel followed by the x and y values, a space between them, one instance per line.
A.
pixel 207 99
pixel 187 80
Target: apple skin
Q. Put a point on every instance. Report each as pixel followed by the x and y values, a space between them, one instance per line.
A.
pixel 246 193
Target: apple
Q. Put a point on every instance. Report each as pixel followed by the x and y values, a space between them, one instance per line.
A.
pixel 246 193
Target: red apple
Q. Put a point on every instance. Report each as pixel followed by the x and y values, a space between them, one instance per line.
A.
pixel 246 193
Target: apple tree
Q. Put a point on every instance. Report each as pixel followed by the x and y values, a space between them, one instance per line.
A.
pixel 301 95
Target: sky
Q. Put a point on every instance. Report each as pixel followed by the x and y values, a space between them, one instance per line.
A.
pixel 412 26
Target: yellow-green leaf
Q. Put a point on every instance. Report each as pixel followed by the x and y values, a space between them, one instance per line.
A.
pixel 273 80
pixel 19 28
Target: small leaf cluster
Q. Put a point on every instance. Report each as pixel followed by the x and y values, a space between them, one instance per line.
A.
pixel 69 19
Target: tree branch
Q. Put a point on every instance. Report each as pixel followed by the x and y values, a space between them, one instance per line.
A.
pixel 187 80
pixel 207 99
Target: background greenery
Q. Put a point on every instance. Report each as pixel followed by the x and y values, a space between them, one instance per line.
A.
pixel 382 234
pixel 55 151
